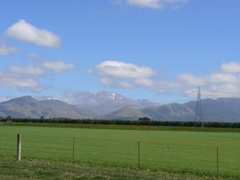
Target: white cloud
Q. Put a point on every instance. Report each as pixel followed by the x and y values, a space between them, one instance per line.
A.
pixel 31 76
pixel 190 80
pixel 14 80
pixel 144 82
pixel 155 4
pixel 124 75
pixel 27 83
pixel 117 69
pixel 7 50
pixel 146 3
pixel 126 85
pixel 57 66
pixel 27 70
pixel 26 32
pixel 231 67
pixel 223 83
pixel 220 78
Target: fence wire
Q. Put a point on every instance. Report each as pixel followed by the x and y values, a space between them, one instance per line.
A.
pixel 155 156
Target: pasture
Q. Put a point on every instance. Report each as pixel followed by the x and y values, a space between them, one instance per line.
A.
pixel 181 152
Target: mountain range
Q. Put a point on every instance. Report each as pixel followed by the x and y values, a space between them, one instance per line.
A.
pixel 29 107
pixel 107 102
pixel 109 105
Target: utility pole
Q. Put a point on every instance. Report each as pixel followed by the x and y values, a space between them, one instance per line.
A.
pixel 198 112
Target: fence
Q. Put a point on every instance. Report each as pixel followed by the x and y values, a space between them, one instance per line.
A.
pixel 203 160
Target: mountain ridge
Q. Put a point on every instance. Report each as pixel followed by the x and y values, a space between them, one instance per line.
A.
pixel 115 106
pixel 29 107
pixel 106 102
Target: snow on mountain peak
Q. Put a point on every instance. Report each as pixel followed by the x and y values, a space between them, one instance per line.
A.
pixel 113 95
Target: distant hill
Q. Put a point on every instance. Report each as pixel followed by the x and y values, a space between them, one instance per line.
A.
pixel 29 107
pixel 222 109
pixel 172 111
pixel 124 114
pixel 219 110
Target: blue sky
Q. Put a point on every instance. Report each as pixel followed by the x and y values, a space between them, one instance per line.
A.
pixel 161 50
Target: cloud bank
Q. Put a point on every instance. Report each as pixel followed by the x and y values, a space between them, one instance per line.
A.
pixel 26 32
pixel 225 82
pixel 29 77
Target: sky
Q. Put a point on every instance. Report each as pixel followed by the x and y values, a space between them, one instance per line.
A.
pixel 161 50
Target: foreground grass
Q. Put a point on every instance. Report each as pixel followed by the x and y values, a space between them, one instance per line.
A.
pixel 35 169
pixel 99 149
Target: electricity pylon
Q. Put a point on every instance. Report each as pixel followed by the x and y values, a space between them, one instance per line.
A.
pixel 198 112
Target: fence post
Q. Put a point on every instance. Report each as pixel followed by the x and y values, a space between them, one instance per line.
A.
pixel 73 150
pixel 19 147
pixel 217 162
pixel 138 154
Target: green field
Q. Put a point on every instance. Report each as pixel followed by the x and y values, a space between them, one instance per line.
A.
pixel 181 152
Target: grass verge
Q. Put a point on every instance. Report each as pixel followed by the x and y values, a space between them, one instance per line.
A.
pixel 35 169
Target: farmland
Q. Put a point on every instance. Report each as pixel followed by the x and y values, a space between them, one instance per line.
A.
pixel 183 151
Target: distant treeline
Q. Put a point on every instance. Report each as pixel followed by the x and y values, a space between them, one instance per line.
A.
pixel 141 121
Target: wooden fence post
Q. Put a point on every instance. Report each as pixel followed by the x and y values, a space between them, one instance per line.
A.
pixel 19 147
pixel 138 154
pixel 73 150
pixel 217 162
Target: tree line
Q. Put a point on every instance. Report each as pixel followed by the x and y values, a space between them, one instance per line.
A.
pixel 140 121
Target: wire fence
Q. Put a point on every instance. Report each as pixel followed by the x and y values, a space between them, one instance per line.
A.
pixel 203 160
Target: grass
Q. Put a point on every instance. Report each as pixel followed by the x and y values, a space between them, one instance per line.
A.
pixel 35 169
pixel 123 127
pixel 173 152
